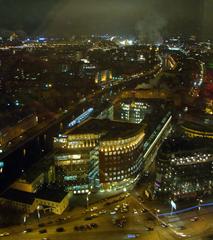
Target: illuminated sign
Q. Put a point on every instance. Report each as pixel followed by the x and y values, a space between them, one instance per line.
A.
pixel 70 178
pixel 76 156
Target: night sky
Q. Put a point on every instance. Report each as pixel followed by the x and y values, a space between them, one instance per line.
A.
pixel 67 17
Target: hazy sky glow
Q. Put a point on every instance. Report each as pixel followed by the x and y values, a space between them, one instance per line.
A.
pixel 101 16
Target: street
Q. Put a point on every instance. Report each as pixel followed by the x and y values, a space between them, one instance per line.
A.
pixel 145 224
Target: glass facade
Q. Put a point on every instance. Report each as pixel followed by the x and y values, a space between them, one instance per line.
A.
pixel 76 162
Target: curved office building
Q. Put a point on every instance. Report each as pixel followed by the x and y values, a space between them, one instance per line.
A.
pixel 120 160
pixel 99 154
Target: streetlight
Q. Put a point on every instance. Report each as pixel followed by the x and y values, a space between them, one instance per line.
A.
pixel 88 198
pixel 200 201
pixel 157 213
pixel 25 219
pixel 38 213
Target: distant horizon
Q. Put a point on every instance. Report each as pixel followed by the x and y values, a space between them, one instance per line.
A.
pixel 132 36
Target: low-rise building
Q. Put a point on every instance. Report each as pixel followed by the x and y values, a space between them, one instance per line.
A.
pixel 23 201
pixel 52 200
pixel 41 173
pixel 29 185
pixel 55 199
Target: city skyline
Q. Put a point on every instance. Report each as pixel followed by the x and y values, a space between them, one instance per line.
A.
pixel 106 119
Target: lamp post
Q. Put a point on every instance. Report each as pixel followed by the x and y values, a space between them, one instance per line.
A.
pixel 38 213
pixel 88 198
pixel 25 219
pixel 157 212
pixel 200 201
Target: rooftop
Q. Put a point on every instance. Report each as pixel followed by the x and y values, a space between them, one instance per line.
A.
pixel 194 158
pixel 108 129
pixel 199 127
pixel 19 196
pixel 53 195
pixel 37 169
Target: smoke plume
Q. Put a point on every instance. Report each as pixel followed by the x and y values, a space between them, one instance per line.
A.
pixel 150 27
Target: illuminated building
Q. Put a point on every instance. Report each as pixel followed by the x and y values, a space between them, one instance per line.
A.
pixel 141 111
pixel 133 111
pixel 208 98
pixel 209 106
pixel 103 76
pixel 99 154
pixel 184 169
pixel 121 156
pixel 169 62
pixel 196 130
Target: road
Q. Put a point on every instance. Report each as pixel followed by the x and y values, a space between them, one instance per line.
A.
pixel 179 226
pixel 137 222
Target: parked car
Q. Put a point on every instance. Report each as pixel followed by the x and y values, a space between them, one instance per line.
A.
pixel 27 230
pixel 94 225
pixel 41 225
pixel 112 212
pixel 76 228
pixel 60 229
pixel 149 228
pixel 164 225
pixel 4 234
pixel 194 219
pixel 88 226
pixel 43 231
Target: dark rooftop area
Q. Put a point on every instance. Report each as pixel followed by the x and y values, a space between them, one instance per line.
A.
pixel 183 145
pixel 54 195
pixel 19 196
pixel 37 169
